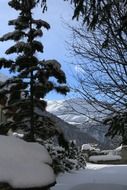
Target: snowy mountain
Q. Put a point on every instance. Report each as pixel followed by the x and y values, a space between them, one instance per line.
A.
pixel 75 113
pixel 72 111
pixel 71 132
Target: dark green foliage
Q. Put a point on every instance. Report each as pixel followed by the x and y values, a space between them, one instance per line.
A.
pixel 79 8
pixel 41 23
pixel 16 35
pixel 5 63
pixel 34 78
pixel 118 126
pixel 24 5
pixel 63 142
pixel 96 13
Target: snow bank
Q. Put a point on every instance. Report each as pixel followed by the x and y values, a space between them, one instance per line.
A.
pixel 107 157
pixel 23 164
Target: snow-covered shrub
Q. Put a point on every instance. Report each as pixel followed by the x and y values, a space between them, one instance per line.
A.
pixel 76 154
pixel 65 159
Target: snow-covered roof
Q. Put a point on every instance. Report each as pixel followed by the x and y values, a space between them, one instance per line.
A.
pixel 121 147
pixel 87 147
pixel 23 164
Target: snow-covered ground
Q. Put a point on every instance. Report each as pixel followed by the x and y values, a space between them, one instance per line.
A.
pixel 94 177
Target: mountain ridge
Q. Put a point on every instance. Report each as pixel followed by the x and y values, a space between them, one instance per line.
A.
pixel 81 123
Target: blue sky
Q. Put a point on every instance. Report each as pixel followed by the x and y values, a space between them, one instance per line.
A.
pixel 53 40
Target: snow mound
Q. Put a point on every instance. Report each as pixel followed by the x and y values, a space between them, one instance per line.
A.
pixel 23 164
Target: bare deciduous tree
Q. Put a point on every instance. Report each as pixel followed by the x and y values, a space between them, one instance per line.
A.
pixel 102 67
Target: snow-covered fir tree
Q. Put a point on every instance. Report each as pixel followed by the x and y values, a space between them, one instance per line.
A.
pixel 65 159
pixel 23 96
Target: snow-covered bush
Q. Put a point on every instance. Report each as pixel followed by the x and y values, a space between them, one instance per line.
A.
pixel 65 159
pixel 76 154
